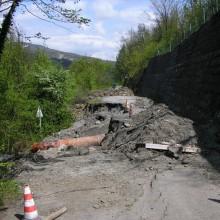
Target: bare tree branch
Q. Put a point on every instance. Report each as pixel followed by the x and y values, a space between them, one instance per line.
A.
pixel 46 20
pixel 5 9
pixel 51 10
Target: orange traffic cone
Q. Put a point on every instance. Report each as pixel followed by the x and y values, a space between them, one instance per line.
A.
pixel 30 210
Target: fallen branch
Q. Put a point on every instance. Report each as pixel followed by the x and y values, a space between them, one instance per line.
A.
pixel 56 214
pixel 3 208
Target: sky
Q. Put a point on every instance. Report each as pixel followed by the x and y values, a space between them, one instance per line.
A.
pixel 110 20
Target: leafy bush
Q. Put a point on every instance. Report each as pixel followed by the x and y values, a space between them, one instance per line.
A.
pixel 25 83
pixel 88 74
pixel 28 81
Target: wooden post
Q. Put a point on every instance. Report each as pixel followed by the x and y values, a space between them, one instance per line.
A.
pixel 130 112
pixel 56 214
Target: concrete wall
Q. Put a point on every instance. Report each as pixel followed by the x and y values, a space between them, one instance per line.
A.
pixel 188 79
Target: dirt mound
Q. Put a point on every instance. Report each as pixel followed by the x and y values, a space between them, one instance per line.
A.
pixel 157 124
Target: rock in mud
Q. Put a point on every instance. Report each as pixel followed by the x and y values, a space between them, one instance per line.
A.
pixel 174 152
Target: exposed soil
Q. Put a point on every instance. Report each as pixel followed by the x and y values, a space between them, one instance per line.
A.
pixel 120 180
pixel 108 186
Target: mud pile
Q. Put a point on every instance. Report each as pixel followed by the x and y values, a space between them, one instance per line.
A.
pixel 125 131
pixel 157 124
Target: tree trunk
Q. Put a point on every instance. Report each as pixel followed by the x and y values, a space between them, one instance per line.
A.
pixel 6 25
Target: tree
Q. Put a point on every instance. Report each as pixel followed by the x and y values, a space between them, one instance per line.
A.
pixel 163 10
pixel 51 11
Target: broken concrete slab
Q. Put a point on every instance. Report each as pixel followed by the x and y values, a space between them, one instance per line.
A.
pixel 191 149
pixel 120 104
pixel 170 147
pixel 155 146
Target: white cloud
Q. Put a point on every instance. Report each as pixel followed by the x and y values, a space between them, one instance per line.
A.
pixel 74 40
pixel 91 45
pixel 105 55
pixel 111 19
pixel 23 15
pixel 104 9
pixel 99 27
pixel 135 16
pixel 131 14
pixel 35 11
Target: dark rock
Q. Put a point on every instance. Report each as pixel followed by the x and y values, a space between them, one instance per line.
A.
pixel 83 151
pixel 6 157
pixel 174 152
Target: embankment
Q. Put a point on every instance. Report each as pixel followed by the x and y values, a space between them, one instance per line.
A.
pixel 188 80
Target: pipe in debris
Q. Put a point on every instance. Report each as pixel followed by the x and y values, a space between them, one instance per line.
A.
pixel 73 142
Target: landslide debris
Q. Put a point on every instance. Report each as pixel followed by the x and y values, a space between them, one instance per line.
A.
pixel 80 106
pixel 156 124
pixel 124 131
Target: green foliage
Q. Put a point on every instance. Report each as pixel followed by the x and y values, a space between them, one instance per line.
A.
pixel 25 83
pixel 88 74
pixel 135 53
pixel 175 20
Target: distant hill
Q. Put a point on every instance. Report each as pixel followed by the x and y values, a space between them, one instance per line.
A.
pixel 63 58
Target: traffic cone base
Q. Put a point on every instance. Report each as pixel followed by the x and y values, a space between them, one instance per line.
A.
pixel 32 216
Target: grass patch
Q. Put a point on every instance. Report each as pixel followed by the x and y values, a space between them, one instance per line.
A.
pixel 9 188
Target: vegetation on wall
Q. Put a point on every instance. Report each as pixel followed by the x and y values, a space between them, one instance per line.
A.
pixel 175 21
